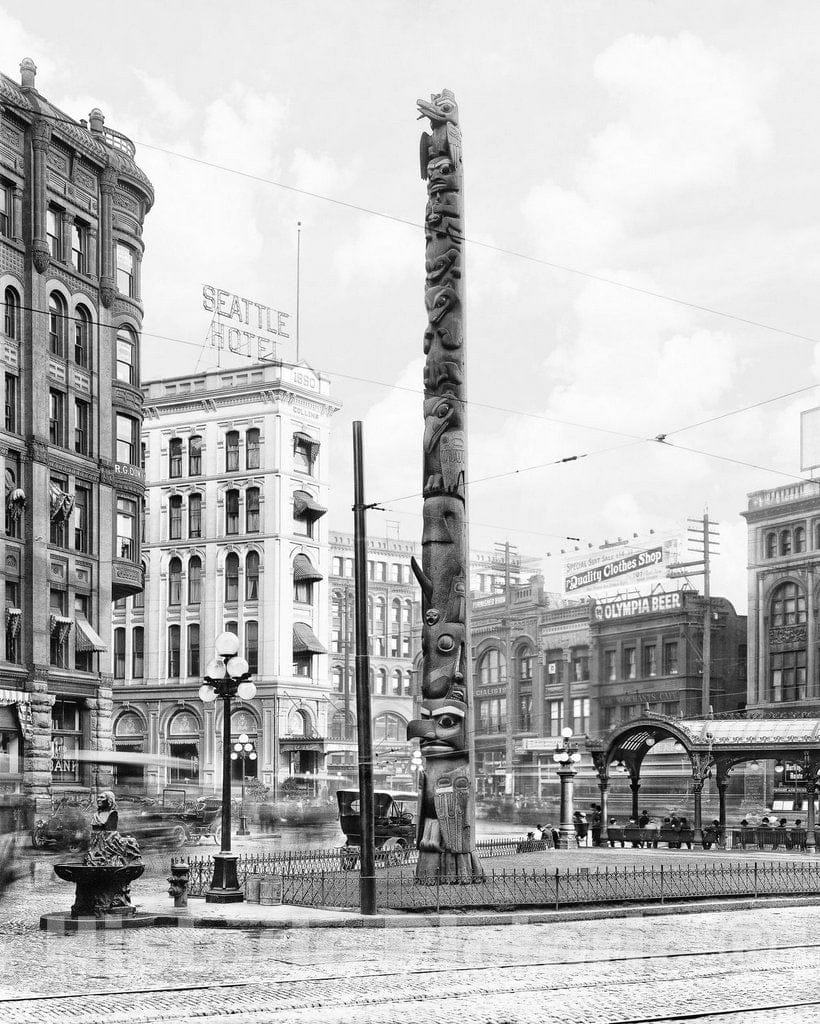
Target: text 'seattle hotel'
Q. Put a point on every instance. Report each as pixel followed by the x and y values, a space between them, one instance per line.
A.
pixel 72 205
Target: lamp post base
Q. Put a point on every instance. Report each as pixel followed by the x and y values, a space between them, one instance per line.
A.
pixel 566 838
pixel 225 884
pixel 243 829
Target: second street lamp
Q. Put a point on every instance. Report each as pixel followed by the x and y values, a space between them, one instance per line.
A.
pixel 566 759
pixel 227 676
pixel 245 751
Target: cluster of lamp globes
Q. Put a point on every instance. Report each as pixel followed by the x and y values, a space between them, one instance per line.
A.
pixel 565 755
pixel 244 748
pixel 226 664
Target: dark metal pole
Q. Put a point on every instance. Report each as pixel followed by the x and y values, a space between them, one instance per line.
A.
pixel 367 881
pixel 226 774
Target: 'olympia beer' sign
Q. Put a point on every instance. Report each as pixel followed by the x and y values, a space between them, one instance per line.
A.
pixel 652 604
pixel 243 326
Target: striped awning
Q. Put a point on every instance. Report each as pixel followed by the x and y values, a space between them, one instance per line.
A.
pixel 304 571
pixel 13 697
pixel 86 638
pixel 305 641
pixel 312 444
pixel 306 506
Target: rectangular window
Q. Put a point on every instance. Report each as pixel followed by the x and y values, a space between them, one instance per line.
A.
pixel 252 510
pixel 79 247
pixel 56 417
pixel 788 676
pixel 252 449
pixel 81 431
pixel 83 659
pixel 193 650
pixel 195 456
pixel 232 512
pixel 126 529
pixel 137 652
pixel 54 232
pixel 555 717
pixel 127 440
pixel 15 498
pixel 195 515
pixel 394 646
pixel 58 606
pixel 670 658
pixel 6 210
pixel 173 652
pixel 650 660
pixel 175 518
pixel 232 451
pixel 303 665
pixel 66 742
pixel 126 283
pixel 58 521
pixel 12 403
pixel 580 714
pixel 580 667
pixel 175 458
pixel 82 518
pixel 525 712
pixel 184 766
pixel 13 621
pixel 303 592
pixel 610 667
pixel 630 663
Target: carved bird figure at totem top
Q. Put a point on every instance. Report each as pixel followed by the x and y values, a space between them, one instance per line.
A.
pixel 445 139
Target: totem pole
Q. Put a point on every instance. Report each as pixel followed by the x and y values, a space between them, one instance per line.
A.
pixel 446 821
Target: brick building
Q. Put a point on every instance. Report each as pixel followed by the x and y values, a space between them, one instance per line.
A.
pixel 72 206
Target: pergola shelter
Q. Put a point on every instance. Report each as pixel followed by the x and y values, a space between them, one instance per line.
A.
pixel 714 747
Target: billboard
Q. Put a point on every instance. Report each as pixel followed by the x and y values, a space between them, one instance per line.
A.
pixel 620 566
pixel 652 604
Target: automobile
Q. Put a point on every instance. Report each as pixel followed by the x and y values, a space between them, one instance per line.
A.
pixel 181 819
pixel 67 828
pixel 394 826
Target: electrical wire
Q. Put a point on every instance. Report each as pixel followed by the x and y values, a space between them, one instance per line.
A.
pixel 527 257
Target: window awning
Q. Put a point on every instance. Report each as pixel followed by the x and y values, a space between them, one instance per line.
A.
pixel 86 638
pixel 304 571
pixel 305 641
pixel 306 439
pixel 13 697
pixel 13 619
pixel 62 504
pixel 60 624
pixel 306 506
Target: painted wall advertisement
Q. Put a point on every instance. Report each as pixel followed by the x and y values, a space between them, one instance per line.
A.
pixel 619 567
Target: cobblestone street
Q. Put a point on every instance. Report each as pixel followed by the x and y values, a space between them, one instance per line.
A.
pixel 665 968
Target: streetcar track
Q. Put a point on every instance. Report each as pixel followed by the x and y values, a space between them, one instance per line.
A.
pixel 448 969
pixel 702 1014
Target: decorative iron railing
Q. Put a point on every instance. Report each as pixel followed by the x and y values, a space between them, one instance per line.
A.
pixel 554 889
pixel 344 858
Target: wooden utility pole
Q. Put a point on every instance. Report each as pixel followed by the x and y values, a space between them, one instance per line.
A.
pixel 367 861
pixel 703 535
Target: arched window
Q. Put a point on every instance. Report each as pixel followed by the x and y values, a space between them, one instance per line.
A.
pixel 799 539
pixel 380 608
pixel 195 455
pixel 396 681
pixel 788 606
pixel 232 512
pixel 57 324
pixel 126 275
pixel 395 613
pixel 407 614
pixel 12 325
pixel 175 457
pixel 408 678
pixel 194 515
pixel 173 652
pixel 232 578
pixel 232 451
pixel 771 543
pixel 252 449
pixel 493 668
pixel 252 645
pixel 252 576
pixel 193 649
pixel 252 510
pixel 82 336
pixel 389 726
pixel 381 682
pixel 175 581
pixel 126 355
pixel 194 580
pixel 183 746
pixel 299 723
pixel 785 542
pixel 175 517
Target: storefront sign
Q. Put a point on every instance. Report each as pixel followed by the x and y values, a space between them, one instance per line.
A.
pixel 604 611
pixel 247 328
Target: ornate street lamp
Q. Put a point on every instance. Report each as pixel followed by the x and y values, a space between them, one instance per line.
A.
pixel 566 758
pixel 245 750
pixel 227 676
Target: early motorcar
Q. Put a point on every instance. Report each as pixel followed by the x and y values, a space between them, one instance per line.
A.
pixel 394 826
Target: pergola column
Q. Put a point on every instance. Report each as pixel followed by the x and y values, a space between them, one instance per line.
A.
pixel 722 785
pixel 701 764
pixel 811 790
pixel 601 770
pixel 635 786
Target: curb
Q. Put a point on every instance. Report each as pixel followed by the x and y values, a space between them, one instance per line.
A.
pixel 59 923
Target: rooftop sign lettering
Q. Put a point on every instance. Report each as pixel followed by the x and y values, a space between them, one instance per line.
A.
pixel 604 611
pixel 243 326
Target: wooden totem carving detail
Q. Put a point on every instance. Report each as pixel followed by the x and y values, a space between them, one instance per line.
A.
pixel 446 825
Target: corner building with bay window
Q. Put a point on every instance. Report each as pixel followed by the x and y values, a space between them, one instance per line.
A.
pixel 72 206
pixel 235 540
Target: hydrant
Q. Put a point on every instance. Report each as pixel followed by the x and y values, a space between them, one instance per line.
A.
pixel 179 882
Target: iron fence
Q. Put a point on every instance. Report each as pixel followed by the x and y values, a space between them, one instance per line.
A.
pixel 296 862
pixel 511 889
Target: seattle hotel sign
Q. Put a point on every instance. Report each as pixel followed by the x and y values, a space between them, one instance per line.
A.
pixel 253 329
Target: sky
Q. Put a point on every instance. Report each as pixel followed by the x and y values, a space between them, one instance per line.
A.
pixel 641 202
